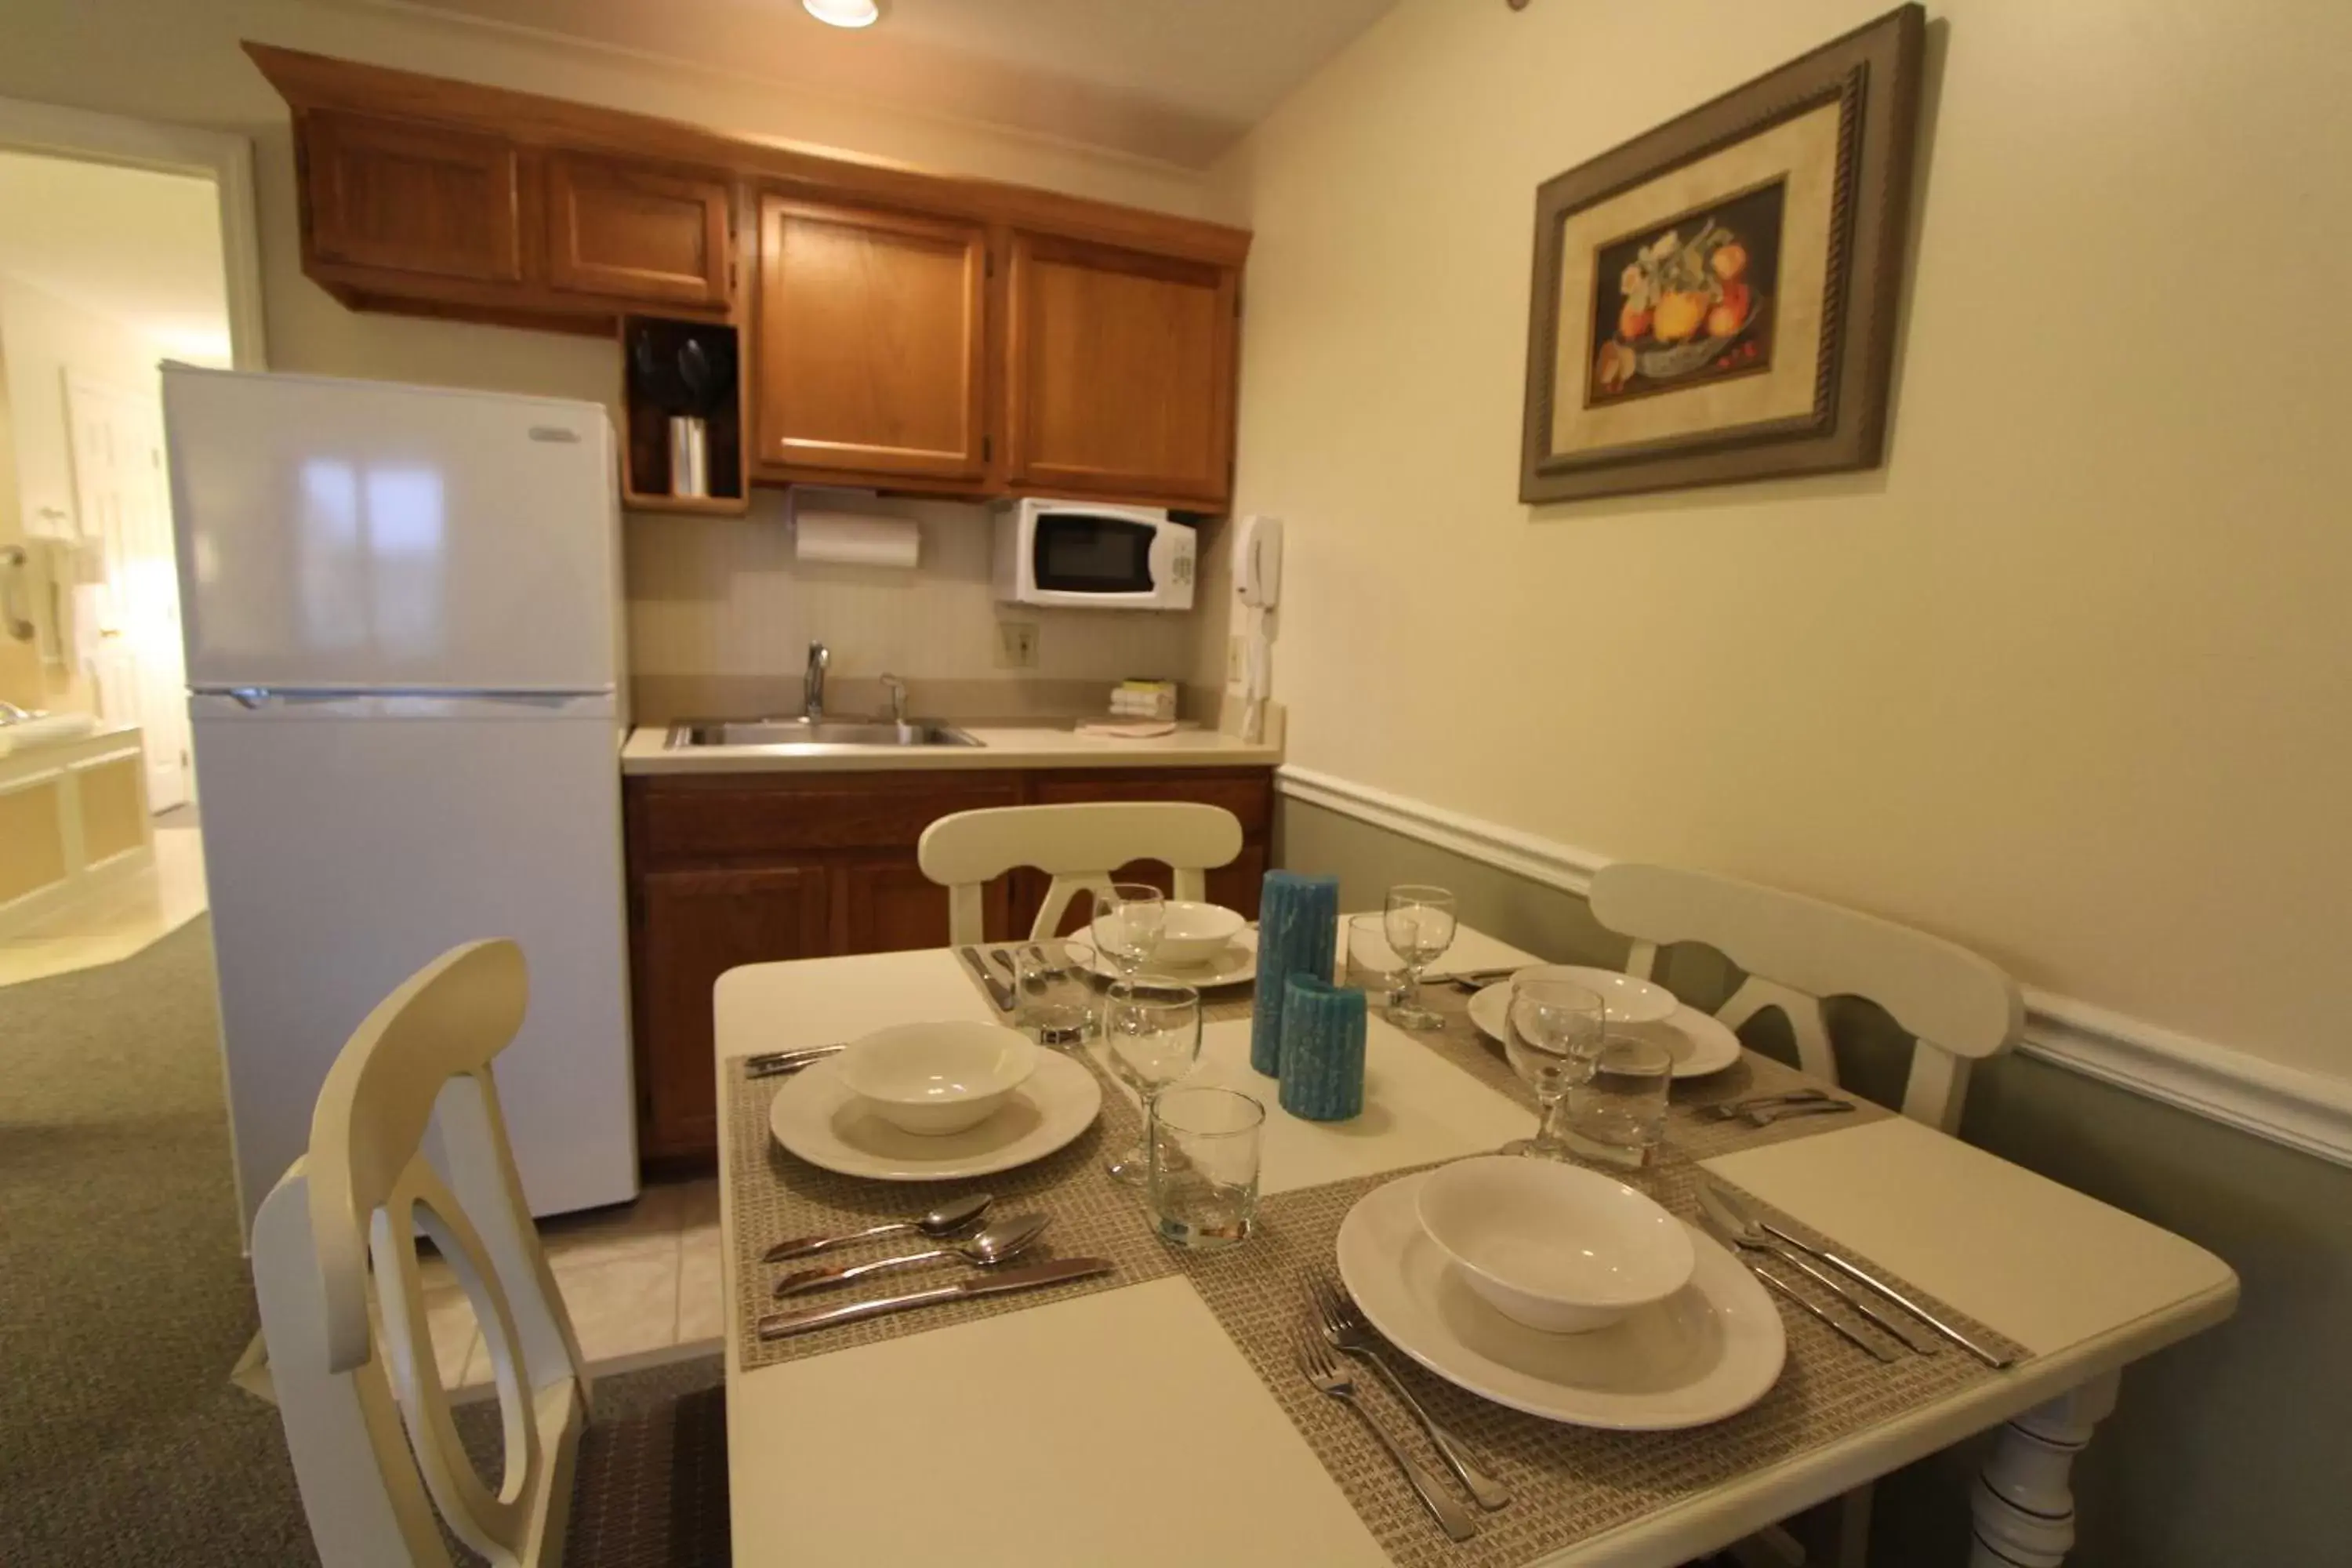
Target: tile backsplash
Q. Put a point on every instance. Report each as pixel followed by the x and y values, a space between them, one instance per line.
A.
pixel 720 617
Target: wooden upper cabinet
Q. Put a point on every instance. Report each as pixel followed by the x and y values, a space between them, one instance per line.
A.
pixel 872 342
pixel 1120 372
pixel 636 232
pixel 404 197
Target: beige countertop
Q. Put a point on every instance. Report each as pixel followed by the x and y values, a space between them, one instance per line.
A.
pixel 1001 746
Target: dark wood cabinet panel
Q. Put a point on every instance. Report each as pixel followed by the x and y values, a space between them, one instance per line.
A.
pixel 888 905
pixel 632 231
pixel 750 814
pixel 1248 794
pixel 1120 372
pixel 873 339
pixel 402 197
pixel 693 926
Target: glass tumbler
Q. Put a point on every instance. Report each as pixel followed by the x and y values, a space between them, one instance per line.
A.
pixel 1202 1181
pixel 1618 1115
pixel 1054 984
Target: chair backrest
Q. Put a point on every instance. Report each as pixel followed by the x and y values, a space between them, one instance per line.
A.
pixel 1079 845
pixel 1796 952
pixel 353 1367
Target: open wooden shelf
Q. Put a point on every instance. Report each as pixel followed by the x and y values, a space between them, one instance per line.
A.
pixel 649 401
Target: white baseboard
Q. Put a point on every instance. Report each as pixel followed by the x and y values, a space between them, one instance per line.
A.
pixel 2302 1110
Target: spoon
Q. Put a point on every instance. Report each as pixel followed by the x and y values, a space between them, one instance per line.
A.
pixel 993 1245
pixel 947 1219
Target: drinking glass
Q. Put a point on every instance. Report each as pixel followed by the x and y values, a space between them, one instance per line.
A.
pixel 1373 966
pixel 1202 1186
pixel 1129 917
pixel 1555 1027
pixel 1151 1031
pixel 1419 923
pixel 1053 986
pixel 1618 1115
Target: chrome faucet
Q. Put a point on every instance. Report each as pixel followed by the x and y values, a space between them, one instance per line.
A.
pixel 812 683
pixel 897 690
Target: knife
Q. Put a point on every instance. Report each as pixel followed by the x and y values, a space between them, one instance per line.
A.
pixel 998 991
pixel 1848 1266
pixel 775 1064
pixel 1060 1271
pixel 1740 1223
pixel 1715 1228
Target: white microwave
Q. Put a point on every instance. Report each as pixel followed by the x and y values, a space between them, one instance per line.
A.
pixel 1092 555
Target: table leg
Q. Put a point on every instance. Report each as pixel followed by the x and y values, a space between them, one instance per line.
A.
pixel 2024 1510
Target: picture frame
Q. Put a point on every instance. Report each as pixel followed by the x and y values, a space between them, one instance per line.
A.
pixel 1715 300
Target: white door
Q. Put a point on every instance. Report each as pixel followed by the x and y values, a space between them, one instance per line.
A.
pixel 120 492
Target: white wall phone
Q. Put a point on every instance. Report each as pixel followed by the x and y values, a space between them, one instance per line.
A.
pixel 1257 591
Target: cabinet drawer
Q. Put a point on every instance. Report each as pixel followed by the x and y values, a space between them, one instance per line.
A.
pixel 1248 796
pixel 690 819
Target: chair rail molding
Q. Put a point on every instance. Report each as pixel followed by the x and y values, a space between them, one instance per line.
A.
pixel 2302 1109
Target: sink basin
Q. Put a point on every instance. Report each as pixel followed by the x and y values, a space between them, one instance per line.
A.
pixel 804 734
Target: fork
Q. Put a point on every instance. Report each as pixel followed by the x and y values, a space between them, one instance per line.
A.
pixel 1321 1368
pixel 1349 1335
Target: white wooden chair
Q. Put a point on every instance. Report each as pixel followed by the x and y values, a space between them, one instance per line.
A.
pixel 1080 845
pixel 375 1449
pixel 1798 952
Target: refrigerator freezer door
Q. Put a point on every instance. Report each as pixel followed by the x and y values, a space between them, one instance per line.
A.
pixel 358 536
pixel 349 843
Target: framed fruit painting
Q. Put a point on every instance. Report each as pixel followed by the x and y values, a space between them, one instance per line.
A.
pixel 1715 300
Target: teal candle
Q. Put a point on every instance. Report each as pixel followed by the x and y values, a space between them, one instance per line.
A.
pixel 1297 934
pixel 1322 1049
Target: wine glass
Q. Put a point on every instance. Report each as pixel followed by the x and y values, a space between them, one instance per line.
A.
pixel 1420 925
pixel 1151 1031
pixel 1555 1026
pixel 1129 917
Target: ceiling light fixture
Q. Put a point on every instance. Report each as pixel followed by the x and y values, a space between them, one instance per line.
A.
pixel 844 13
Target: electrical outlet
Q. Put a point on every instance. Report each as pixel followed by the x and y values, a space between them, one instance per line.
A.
pixel 1016 645
pixel 1236 659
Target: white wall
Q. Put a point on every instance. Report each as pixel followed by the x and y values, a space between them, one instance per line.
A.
pixel 711 592
pixel 2066 679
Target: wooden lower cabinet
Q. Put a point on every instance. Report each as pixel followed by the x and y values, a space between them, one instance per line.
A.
pixel 736 868
pixel 690 927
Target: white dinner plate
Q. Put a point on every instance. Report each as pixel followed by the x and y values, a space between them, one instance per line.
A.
pixel 1709 1350
pixel 1236 966
pixel 1700 1042
pixel 816 1116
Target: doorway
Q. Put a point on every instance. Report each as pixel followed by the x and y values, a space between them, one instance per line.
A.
pixel 134 246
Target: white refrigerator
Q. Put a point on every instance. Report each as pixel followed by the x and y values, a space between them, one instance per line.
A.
pixel 403 613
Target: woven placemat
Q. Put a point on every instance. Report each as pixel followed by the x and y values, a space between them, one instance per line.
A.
pixel 778 1195
pixel 1568 1483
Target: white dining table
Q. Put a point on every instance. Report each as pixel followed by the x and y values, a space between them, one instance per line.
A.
pixel 1124 1426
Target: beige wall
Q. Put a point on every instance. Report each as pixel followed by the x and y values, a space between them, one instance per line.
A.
pixel 714 592
pixel 2066 679
pixel 44 339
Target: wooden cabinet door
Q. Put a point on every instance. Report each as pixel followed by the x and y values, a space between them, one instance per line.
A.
pixel 406 197
pixel 693 927
pixel 635 232
pixel 873 339
pixel 889 906
pixel 1119 372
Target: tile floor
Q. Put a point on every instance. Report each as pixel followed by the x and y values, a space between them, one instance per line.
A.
pixel 114 923
pixel 641 1282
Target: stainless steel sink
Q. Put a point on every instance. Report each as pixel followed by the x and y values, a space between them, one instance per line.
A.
pixel 804 734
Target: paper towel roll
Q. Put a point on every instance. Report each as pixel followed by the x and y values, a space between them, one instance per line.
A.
pixel 853 541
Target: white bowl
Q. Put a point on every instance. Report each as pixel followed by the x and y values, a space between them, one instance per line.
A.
pixel 936 1079
pixel 1626 999
pixel 1559 1249
pixel 1194 933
